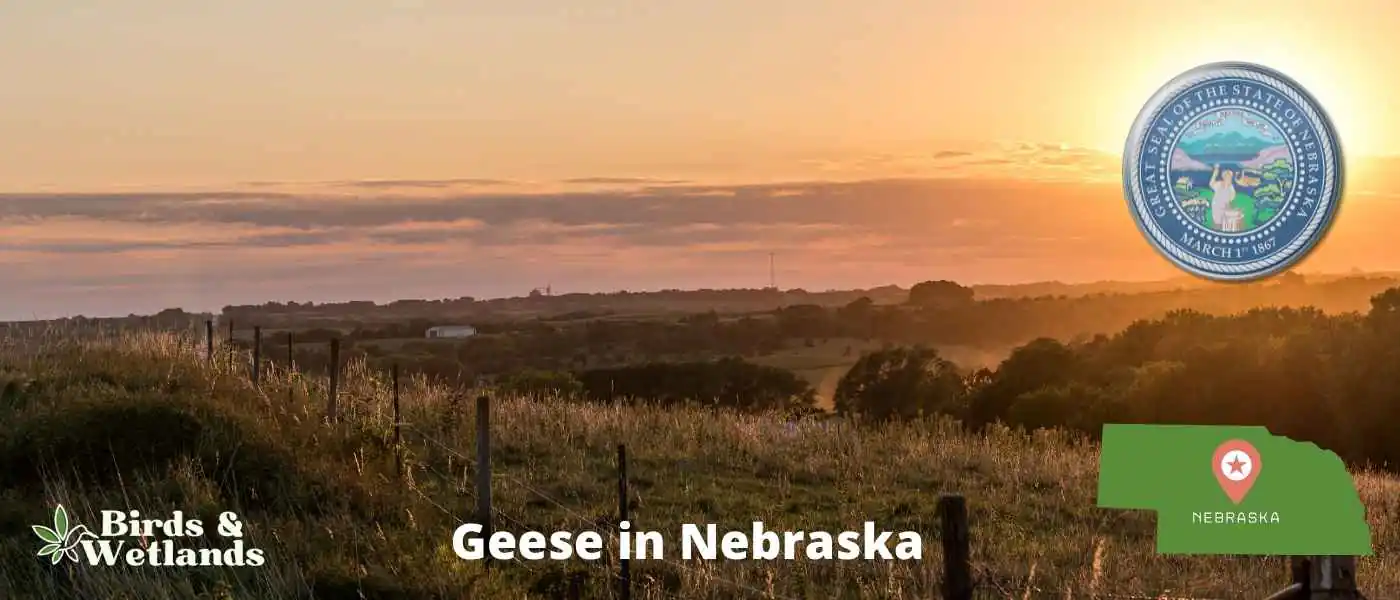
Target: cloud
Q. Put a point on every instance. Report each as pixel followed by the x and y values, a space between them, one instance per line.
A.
pixel 1030 161
pixel 422 183
pixel 184 249
pixel 625 181
pixel 383 184
pixel 135 252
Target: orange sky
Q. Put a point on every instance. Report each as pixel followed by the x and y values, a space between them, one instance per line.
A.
pixel 164 92
pixel 315 140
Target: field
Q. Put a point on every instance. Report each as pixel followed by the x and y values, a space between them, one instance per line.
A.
pixel 822 364
pixel 140 422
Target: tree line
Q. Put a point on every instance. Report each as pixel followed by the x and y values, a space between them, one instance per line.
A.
pixel 936 313
pixel 1326 379
pixel 1305 374
pixel 1302 372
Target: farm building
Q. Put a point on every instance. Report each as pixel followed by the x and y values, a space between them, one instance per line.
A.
pixel 451 331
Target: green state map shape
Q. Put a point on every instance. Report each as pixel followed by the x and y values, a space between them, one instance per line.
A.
pixel 1168 468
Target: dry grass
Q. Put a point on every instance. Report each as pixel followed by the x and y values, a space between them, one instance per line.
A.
pixel 336 522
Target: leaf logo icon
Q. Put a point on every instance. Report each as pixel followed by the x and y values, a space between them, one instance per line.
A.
pixel 61 541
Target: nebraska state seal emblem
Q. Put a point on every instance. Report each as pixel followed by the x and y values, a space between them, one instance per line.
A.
pixel 1233 171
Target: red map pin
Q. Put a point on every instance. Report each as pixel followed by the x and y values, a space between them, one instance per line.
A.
pixel 1236 467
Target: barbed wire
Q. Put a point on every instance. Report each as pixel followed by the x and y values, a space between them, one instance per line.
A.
pixel 590 523
pixel 700 574
pixel 450 516
pixel 503 515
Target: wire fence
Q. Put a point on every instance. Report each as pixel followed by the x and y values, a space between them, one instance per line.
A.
pixel 1313 578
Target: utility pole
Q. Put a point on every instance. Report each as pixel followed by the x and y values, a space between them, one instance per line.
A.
pixel 772 274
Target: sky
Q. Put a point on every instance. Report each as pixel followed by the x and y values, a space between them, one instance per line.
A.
pixel 163 153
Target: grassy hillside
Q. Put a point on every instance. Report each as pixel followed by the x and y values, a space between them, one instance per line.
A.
pixel 140 422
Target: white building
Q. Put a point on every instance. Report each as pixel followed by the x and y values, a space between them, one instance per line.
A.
pixel 451 331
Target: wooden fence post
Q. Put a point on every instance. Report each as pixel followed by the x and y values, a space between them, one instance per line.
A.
pixel 1332 578
pixel 333 395
pixel 209 340
pixel 624 570
pixel 575 586
pixel 257 354
pixel 483 466
pixel 398 451
pixel 957 552
pixel 291 393
pixel 1299 568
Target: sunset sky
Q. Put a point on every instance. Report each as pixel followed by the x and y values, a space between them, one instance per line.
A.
pixel 164 153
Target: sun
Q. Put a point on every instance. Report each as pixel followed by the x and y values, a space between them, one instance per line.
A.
pixel 1334 74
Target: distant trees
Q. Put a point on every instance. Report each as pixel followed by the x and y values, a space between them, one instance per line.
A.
pixel 858 318
pixel 900 382
pixel 1042 364
pixel 940 294
pixel 1137 358
pixel 1327 379
pixel 1385 311
pixel 1074 405
pixel 319 334
pixel 935 314
pixel 291 314
pixel 727 382
pixel 532 382
pixel 806 321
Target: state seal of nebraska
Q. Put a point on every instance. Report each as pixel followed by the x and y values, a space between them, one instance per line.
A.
pixel 1232 171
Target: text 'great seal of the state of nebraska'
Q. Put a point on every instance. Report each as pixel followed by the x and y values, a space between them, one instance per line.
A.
pixel 1233 171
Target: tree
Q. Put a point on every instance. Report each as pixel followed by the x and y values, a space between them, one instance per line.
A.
pixel 900 383
pixel 533 383
pixel 858 317
pixel 728 382
pixel 1076 406
pixel 1041 363
pixel 1385 311
pixel 939 294
pixel 978 379
pixel 804 320
pixel 1269 192
pixel 1279 170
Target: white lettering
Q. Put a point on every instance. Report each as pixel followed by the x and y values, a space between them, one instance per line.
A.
pixel 467 544
pixel 762 544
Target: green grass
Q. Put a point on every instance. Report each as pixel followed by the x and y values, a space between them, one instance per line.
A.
pixel 140 422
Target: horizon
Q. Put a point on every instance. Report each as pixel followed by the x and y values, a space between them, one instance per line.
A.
pixel 435 150
pixel 1182 280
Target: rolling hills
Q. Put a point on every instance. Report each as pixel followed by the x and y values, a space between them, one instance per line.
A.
pixel 140 421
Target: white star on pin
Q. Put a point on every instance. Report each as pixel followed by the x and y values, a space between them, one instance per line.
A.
pixel 1236 465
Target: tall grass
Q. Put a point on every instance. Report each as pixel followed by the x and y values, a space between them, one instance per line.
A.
pixel 140 421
